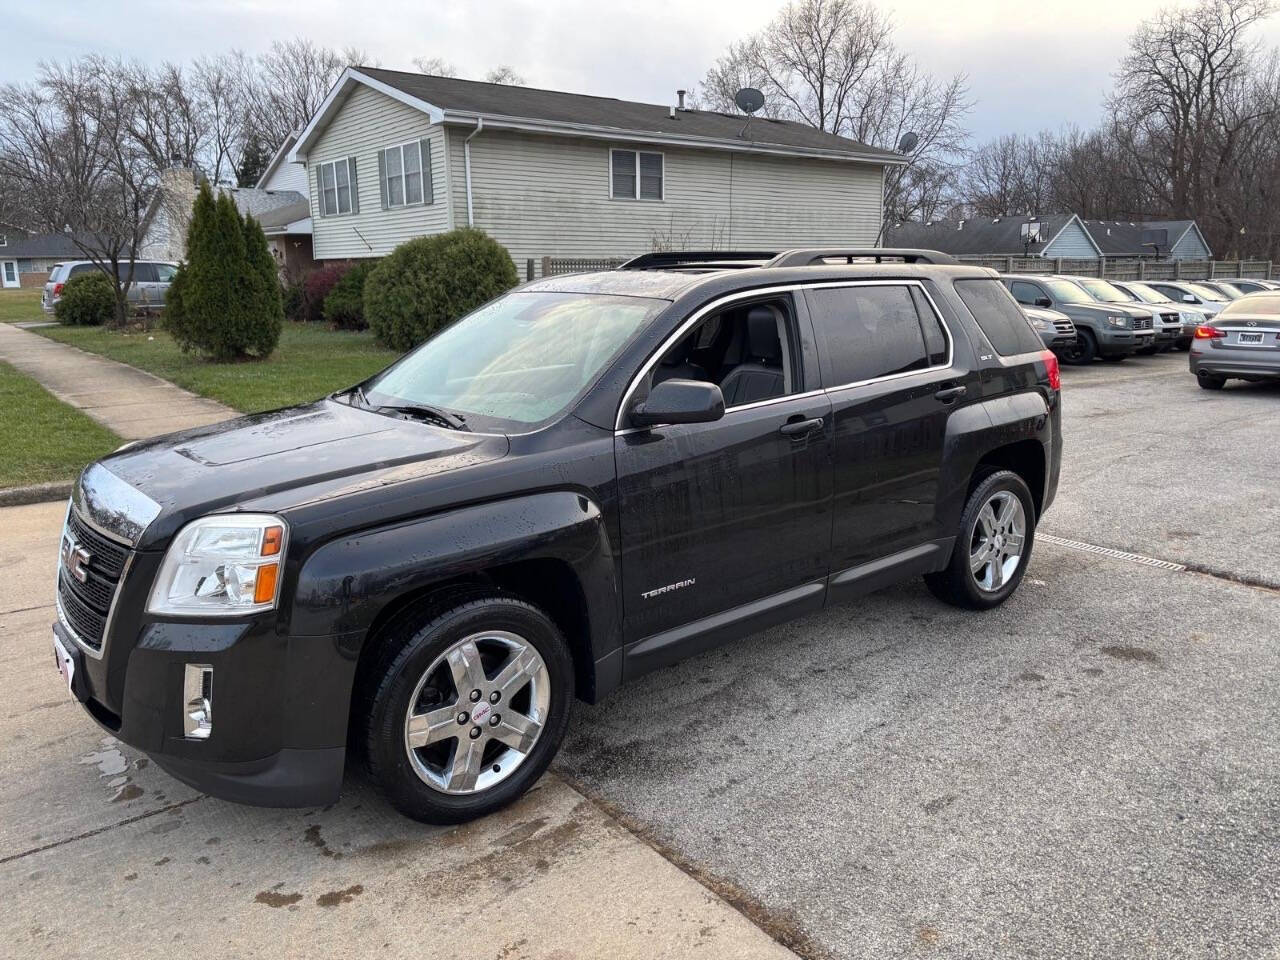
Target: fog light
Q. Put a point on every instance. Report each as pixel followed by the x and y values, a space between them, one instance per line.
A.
pixel 197 701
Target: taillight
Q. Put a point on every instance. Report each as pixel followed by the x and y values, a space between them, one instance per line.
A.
pixel 1209 333
pixel 1051 367
pixel 57 289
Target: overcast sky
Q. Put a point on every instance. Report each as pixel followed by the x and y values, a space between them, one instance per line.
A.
pixel 1029 65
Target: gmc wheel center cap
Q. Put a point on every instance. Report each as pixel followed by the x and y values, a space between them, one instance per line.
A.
pixel 481 710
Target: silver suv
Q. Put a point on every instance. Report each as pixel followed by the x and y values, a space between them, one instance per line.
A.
pixel 151 279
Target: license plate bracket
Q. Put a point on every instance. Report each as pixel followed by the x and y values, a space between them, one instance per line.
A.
pixel 70 664
pixel 1249 339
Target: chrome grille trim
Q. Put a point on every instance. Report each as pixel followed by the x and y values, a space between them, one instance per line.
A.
pixel 106 588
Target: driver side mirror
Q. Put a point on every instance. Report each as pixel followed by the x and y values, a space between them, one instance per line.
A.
pixel 1043 302
pixel 679 401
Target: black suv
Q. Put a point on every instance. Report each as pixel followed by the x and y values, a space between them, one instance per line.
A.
pixel 586 479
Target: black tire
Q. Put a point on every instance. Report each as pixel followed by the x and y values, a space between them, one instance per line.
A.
pixel 405 649
pixel 1081 352
pixel 1208 381
pixel 1115 357
pixel 956 584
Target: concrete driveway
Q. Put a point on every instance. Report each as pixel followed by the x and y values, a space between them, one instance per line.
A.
pixel 1091 770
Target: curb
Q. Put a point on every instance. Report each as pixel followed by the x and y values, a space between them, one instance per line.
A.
pixel 36 493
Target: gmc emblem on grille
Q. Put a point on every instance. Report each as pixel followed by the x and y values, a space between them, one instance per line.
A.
pixel 75 559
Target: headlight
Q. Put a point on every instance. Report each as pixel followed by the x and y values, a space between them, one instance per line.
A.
pixel 1118 321
pixel 223 565
pixel 1188 317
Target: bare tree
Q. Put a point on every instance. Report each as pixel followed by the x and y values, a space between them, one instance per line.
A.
pixel 832 64
pixel 72 161
pixel 291 82
pixel 504 74
pixel 435 66
pixel 223 94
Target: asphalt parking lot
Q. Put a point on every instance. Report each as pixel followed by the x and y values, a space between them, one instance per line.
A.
pixel 1091 770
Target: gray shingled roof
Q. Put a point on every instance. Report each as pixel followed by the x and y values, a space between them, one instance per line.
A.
pixel 252 202
pixel 40 246
pixel 995 236
pixel 505 100
pixel 1125 238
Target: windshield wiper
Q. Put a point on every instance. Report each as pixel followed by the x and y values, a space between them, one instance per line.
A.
pixel 425 411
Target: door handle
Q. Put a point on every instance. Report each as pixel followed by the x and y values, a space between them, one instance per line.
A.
pixel 799 428
pixel 948 394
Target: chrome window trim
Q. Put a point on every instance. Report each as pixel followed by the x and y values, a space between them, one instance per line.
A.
pixel 695 317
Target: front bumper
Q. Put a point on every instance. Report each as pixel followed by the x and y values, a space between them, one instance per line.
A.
pixel 280 707
pixel 1124 342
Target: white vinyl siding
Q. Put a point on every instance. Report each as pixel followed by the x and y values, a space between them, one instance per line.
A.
pixel 288 176
pixel 1190 246
pixel 1072 241
pixel 551 196
pixel 368 122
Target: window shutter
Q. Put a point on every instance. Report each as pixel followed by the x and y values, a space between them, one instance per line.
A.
pixel 320 192
pixel 424 148
pixel 355 192
pixel 382 177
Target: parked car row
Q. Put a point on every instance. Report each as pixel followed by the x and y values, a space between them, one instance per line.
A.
pixel 151 279
pixel 1115 319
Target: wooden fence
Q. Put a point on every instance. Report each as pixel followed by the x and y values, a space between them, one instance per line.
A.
pixel 1108 268
pixel 1112 269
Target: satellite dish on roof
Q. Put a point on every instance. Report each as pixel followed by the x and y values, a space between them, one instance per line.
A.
pixel 749 99
pixel 908 142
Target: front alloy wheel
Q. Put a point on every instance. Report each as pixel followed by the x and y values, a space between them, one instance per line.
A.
pixel 477 712
pixel 464 699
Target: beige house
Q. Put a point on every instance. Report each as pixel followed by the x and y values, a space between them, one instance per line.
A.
pixel 390 156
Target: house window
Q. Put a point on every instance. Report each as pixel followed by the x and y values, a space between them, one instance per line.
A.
pixel 4 240
pixel 636 175
pixel 406 174
pixel 337 187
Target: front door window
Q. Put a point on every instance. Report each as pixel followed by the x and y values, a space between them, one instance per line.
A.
pixel 10 273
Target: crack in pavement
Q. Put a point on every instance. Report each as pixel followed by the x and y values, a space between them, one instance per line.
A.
pixel 100 830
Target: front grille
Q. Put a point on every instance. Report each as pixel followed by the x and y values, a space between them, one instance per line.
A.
pixel 86 605
pixel 1064 326
pixel 1171 319
pixel 1142 323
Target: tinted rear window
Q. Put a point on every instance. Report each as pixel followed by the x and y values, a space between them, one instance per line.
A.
pixel 999 317
pixel 868 331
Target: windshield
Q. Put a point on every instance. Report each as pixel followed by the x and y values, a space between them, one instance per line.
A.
pixel 1104 291
pixel 1148 294
pixel 1068 292
pixel 1204 293
pixel 517 361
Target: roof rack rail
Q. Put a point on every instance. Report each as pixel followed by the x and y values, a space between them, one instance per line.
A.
pixel 719 259
pixel 812 256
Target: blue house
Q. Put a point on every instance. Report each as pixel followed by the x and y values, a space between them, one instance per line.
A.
pixel 1058 235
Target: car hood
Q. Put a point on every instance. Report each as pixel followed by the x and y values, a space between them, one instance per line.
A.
pixel 287 454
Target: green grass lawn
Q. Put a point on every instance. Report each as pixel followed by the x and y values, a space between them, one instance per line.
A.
pixel 18 305
pixel 45 439
pixel 310 362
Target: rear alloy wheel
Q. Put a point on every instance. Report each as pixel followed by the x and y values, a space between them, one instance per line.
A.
pixel 1208 381
pixel 467 707
pixel 1080 352
pixel 997 530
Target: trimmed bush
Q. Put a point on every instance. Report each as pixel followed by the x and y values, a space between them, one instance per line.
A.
pixel 316 288
pixel 225 300
pixel 344 306
pixel 429 282
pixel 88 300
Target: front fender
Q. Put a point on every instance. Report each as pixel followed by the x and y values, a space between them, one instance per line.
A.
pixel 344 585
